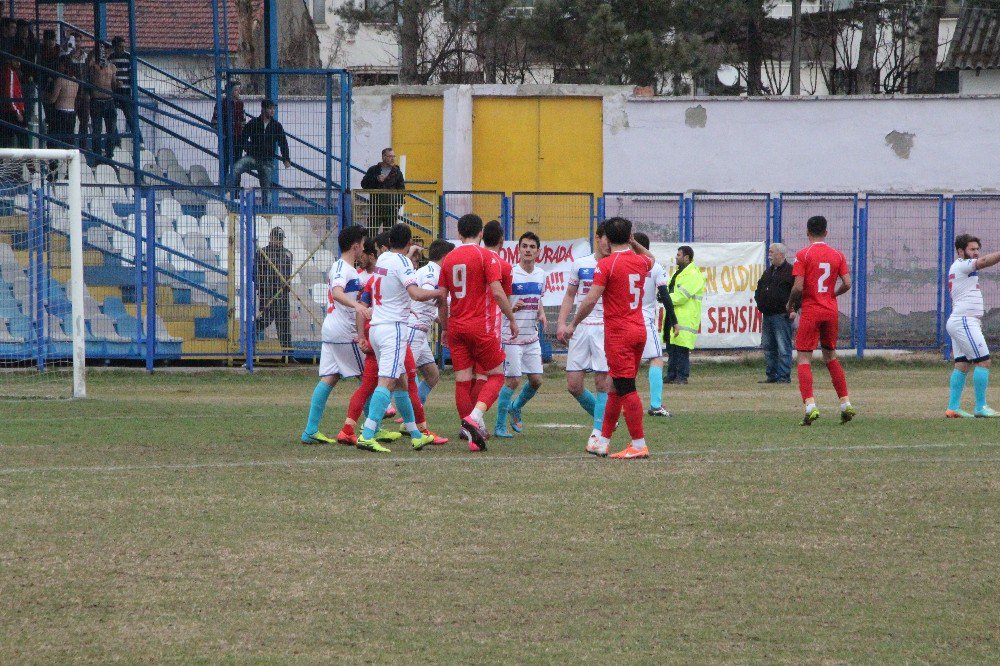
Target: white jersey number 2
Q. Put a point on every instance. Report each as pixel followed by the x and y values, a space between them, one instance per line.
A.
pixel 821 285
pixel 458 279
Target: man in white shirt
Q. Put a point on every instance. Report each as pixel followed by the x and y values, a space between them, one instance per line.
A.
pixel 423 314
pixel 395 283
pixel 524 352
pixel 965 327
pixel 586 347
pixel 653 352
pixel 339 352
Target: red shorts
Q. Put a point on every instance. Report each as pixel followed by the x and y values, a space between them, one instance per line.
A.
pixel 480 350
pixel 624 351
pixel 817 329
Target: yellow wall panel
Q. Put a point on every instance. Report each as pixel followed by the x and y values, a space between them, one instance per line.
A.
pixel 504 144
pixel 417 133
pixel 570 150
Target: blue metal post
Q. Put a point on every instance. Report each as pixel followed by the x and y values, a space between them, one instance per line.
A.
pixel 346 95
pixel 35 270
pixel 150 257
pixel 249 283
pixel 220 126
pixel 346 209
pixel 329 140
pixel 777 221
pixel 139 210
pixel 688 236
pixel 854 267
pixel 133 102
pixel 241 284
pixel 681 214
pixel 862 281
pixel 771 206
pixel 101 20
pixel 509 211
pixel 947 245
pixel 271 48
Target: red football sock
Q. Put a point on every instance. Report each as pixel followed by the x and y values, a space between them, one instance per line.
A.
pixel 477 388
pixel 418 407
pixel 491 390
pixel 632 406
pixel 369 381
pixel 837 375
pixel 348 428
pixel 463 398
pixel 612 410
pixel 805 381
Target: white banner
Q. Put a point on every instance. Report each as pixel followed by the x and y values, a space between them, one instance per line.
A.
pixel 556 258
pixel 729 315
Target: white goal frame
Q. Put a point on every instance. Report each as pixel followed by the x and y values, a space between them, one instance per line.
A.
pixel 74 203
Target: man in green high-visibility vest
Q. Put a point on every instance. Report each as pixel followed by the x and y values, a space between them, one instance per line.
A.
pixel 687 286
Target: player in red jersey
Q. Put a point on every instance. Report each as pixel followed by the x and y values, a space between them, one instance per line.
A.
pixel 493 241
pixel 471 276
pixel 817 269
pixel 620 278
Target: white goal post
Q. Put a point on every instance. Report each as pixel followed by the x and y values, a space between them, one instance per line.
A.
pixel 35 175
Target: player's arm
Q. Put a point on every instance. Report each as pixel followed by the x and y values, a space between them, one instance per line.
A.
pixel 795 298
pixel 988 260
pixel 844 286
pixel 564 308
pixel 421 294
pixel 639 249
pixel 587 306
pixel 340 296
pixel 501 299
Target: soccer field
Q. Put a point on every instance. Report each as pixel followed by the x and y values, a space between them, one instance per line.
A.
pixel 176 517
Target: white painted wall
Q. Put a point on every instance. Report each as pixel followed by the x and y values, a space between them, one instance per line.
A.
pixel 812 144
pixel 983 82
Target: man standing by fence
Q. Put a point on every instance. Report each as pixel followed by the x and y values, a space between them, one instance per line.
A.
pixel 273 271
pixel 263 139
pixel 384 176
pixel 686 287
pixel 771 296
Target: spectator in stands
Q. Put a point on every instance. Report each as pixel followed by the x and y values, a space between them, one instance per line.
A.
pixel 233 120
pixel 26 48
pixel 48 57
pixel 83 97
pixel 263 137
pixel 8 30
pixel 122 61
pixel 11 104
pixel 61 98
pixel 102 104
pixel 773 290
pixel 384 176
pixel 273 270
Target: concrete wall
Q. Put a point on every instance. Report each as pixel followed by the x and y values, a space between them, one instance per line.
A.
pixel 823 144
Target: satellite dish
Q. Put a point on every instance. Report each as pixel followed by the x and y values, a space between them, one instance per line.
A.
pixel 727 75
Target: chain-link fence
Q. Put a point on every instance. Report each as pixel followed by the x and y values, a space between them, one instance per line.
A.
pixel 978 215
pixel 659 216
pixel 729 218
pixel 378 210
pixel 553 215
pixel 487 205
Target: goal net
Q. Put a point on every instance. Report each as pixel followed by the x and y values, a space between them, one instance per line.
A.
pixel 42 311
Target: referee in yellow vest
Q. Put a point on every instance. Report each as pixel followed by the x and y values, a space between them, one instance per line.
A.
pixel 687 286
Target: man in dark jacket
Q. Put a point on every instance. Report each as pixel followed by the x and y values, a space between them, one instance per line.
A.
pixel 263 138
pixel 771 295
pixel 272 272
pixel 384 176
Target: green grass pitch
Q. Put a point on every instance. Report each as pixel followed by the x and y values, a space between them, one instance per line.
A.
pixel 176 518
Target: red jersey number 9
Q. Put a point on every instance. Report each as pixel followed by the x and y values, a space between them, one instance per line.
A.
pixel 458 280
pixel 633 289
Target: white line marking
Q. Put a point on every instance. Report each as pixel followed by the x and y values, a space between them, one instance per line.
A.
pixel 658 458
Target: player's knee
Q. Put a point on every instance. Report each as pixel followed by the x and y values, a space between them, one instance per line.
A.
pixel 512 382
pixel 984 363
pixel 624 385
pixel 535 381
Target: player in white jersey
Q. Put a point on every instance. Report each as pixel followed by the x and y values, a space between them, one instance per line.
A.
pixel 586 347
pixel 523 353
pixel 339 352
pixel 965 328
pixel 423 314
pixel 393 285
pixel 655 290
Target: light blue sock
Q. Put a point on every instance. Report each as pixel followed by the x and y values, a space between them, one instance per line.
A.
pixel 655 386
pixel 957 386
pixel 503 404
pixel 980 380
pixel 586 400
pixel 405 407
pixel 527 393
pixel 600 403
pixel 379 403
pixel 316 407
pixel 423 390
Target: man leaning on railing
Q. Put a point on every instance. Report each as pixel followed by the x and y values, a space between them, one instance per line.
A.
pixel 384 176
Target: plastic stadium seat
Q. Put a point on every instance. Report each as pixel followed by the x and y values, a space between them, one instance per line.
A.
pixel 126 176
pixel 122 155
pixel 127 326
pixel 186 224
pixel 5 335
pixel 170 209
pixel 194 241
pixel 323 259
pixel 165 157
pixel 103 209
pixel 178 174
pixel 87 175
pixel 105 174
pixel 162 334
pixel 98 237
pixel 200 176
pixel 216 208
pixel 103 327
pixel 123 244
pixel 263 225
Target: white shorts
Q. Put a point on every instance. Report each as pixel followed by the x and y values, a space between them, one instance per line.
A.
pixel 340 358
pixel 522 359
pixel 653 348
pixel 421 348
pixel 967 341
pixel 389 342
pixel 586 350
